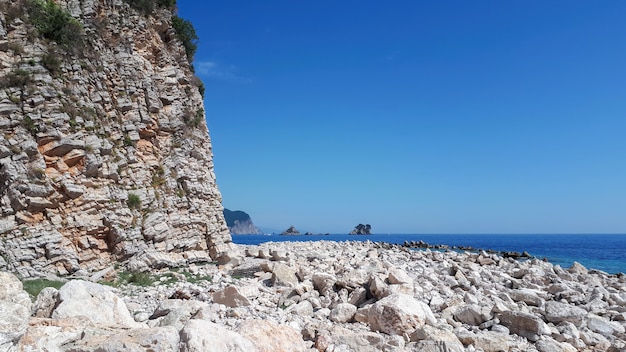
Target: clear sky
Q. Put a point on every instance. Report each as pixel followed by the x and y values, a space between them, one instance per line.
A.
pixel 418 116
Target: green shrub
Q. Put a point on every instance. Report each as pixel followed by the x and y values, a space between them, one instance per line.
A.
pixel 133 201
pixel 168 4
pixel 194 120
pixel 200 86
pixel 146 7
pixel 51 62
pixel 33 287
pixel 54 23
pixel 187 35
pixel 137 279
pixel 128 142
pixel 16 78
pixel 29 124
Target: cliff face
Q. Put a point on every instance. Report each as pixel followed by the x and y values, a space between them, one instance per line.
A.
pixel 104 151
pixel 240 223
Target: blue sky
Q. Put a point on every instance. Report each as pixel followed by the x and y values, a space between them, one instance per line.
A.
pixel 415 116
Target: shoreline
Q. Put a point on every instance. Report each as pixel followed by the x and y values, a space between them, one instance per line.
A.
pixel 344 296
pixel 601 252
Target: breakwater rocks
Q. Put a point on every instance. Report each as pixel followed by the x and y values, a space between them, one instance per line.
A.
pixel 445 247
pixel 329 296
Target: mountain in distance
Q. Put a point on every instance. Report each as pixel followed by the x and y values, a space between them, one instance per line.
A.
pixel 240 223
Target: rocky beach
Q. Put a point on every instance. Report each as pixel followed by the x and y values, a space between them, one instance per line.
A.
pixel 326 296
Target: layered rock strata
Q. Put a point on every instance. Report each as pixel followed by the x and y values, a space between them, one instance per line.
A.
pixel 328 296
pixel 104 151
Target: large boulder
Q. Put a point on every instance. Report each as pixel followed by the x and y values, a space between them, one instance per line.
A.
pixel 176 312
pixel 51 334
pixel 14 310
pixel 470 314
pixel 230 297
pixel 268 336
pixel 524 324
pixel 94 301
pixel 202 335
pixel 488 341
pixel 557 312
pixel 398 314
pixel 603 326
pixel 428 338
pixel 158 339
pixel 283 275
pixel 341 339
pixel 343 313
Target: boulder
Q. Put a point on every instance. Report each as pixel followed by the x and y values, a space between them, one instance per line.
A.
pixel 158 339
pixel 230 297
pixel 343 313
pixel 547 344
pixel 45 303
pixel 488 341
pixel 202 335
pixel 377 287
pixel 268 336
pixel 434 346
pixel 527 296
pixel 428 335
pixel 176 312
pixel 51 334
pixel 398 314
pixel 470 314
pixel 14 310
pixel 323 282
pixel 94 301
pixel 524 324
pixel 346 340
pixel 398 276
pixel 557 312
pixel 283 275
pixel 603 326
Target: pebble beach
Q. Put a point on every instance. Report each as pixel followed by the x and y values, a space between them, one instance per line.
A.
pixel 329 296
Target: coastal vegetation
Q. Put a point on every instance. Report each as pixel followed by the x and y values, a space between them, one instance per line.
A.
pixel 54 23
pixel 34 286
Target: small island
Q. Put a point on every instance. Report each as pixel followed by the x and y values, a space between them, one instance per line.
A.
pixel 291 231
pixel 361 229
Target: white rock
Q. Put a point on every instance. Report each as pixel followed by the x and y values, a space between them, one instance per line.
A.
pixel 230 297
pixel 202 335
pixel 557 312
pixel 398 315
pixel 398 276
pixel 268 336
pixel 94 301
pixel 524 324
pixel 603 326
pixel 343 313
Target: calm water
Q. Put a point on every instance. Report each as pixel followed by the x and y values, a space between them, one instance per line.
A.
pixel 602 252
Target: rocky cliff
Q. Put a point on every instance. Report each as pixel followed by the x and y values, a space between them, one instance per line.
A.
pixel 240 223
pixel 104 151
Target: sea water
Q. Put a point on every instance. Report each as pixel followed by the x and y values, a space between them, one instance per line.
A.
pixel 601 252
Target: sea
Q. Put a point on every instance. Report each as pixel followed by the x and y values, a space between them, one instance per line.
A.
pixel 602 252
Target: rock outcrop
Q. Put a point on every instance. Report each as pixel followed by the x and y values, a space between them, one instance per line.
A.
pixel 104 152
pixel 240 223
pixel 361 229
pixel 290 231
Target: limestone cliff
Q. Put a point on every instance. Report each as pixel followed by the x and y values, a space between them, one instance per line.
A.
pixel 240 223
pixel 104 151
